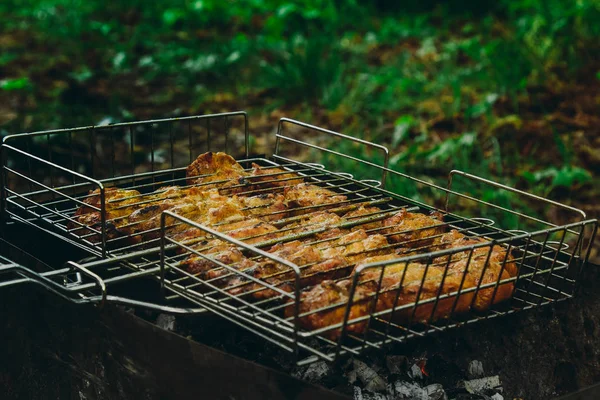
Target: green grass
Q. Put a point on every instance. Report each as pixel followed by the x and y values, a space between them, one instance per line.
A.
pixel 443 85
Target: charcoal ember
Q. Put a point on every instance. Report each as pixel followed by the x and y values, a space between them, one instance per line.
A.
pixel 367 375
pixel 166 322
pixel 415 372
pixel 476 369
pixel 396 364
pixel 497 396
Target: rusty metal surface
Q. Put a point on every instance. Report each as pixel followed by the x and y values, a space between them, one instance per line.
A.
pixel 55 350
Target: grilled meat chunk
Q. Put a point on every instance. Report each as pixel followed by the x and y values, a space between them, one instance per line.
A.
pixel 404 287
pixel 306 195
pixel 273 176
pixel 498 254
pixel 268 206
pixel 224 172
pixel 201 266
pixel 364 212
pixel 401 286
pixel 413 229
pixel 316 264
pixel 213 167
pixel 357 245
pixel 119 203
pixel 332 299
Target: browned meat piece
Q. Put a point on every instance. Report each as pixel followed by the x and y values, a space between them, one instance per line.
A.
pixel 267 206
pixel 199 266
pixel 231 178
pixel 329 235
pixel 251 231
pixel 227 209
pixel 214 167
pixel 357 245
pixel 296 252
pixel 400 286
pixel 315 263
pixel 320 219
pixel 485 264
pixel 203 207
pixel 259 179
pixel 411 228
pixel 448 238
pixel 208 268
pixel 304 195
pixel 335 297
pixel 91 228
pixel 273 177
pixel 352 237
pixel 339 237
pixel 130 213
pixel 402 283
pixel 113 197
pixel 119 203
pixel 414 278
pixel 455 239
pixel 493 273
pixel 331 268
pixel 308 258
pixel 364 212
pixel 257 233
pixel 500 266
pixel 312 222
pixel 150 229
pixel 127 210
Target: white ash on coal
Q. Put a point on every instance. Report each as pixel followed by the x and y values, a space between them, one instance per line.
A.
pixel 367 376
pixel 415 372
pixel 412 390
pixel 476 369
pixel 481 385
pixel 417 369
pixel 435 392
pixel 359 394
pixel 408 390
pixel 314 372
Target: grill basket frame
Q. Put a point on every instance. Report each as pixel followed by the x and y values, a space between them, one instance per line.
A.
pixel 552 269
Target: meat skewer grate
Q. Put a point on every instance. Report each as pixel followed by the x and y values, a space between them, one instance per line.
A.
pixel 329 265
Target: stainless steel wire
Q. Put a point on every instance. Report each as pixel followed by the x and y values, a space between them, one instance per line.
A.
pixel 548 260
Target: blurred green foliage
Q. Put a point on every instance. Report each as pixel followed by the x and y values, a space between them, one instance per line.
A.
pixel 444 84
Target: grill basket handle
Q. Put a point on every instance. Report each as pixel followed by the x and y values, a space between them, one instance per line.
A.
pixel 280 136
pixel 66 293
pixel 507 188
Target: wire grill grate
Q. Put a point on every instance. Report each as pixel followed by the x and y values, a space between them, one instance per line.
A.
pixel 47 190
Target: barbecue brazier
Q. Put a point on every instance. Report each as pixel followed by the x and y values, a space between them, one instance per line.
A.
pixel 46 176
